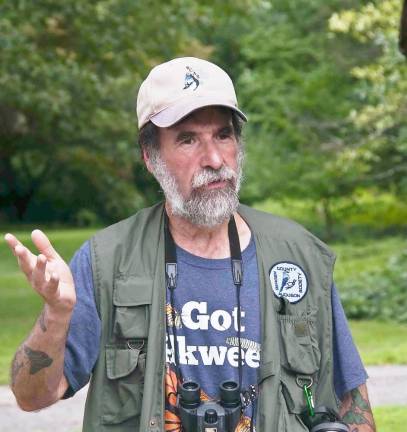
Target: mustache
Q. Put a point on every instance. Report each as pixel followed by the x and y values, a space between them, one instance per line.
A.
pixel 210 175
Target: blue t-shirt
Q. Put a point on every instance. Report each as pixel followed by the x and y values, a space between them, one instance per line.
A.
pixel 206 322
pixel 201 275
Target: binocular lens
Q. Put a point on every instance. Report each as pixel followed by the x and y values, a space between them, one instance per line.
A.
pixel 229 394
pixel 330 427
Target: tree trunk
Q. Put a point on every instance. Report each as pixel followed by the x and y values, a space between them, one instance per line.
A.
pixel 328 218
pixel 403 30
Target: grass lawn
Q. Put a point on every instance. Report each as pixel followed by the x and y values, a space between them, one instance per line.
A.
pixel 380 342
pixel 19 305
pixel 390 419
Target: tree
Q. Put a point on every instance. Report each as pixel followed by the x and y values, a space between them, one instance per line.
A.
pixel 68 78
pixel 295 85
pixel 380 123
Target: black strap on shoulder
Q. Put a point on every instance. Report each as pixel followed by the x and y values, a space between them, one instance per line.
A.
pixel 171 282
pixel 235 253
pixel 170 256
pixel 237 273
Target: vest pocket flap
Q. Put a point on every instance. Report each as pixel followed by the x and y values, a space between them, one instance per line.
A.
pixel 120 361
pixel 133 291
pixel 132 299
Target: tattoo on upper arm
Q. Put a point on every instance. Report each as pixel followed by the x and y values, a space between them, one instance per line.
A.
pixel 38 359
pixel 358 411
pixel 41 321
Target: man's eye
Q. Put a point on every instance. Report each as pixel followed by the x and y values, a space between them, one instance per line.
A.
pixel 186 140
pixel 224 135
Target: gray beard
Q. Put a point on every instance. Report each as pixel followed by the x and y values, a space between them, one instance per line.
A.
pixel 203 207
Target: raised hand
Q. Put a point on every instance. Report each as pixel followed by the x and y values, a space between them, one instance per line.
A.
pixel 46 272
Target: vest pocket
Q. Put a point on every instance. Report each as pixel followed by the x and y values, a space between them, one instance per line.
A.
pixel 132 299
pixel 299 348
pixel 123 393
pixel 300 360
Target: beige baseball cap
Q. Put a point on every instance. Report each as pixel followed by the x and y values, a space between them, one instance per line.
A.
pixel 174 89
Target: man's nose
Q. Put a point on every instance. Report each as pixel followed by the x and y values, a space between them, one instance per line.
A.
pixel 211 155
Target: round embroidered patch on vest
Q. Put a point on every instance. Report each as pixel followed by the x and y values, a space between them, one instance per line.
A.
pixel 289 281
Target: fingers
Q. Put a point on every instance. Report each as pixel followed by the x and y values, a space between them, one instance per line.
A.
pixel 46 284
pixel 51 287
pixel 37 269
pixel 38 276
pixel 43 244
pixel 12 242
pixel 26 259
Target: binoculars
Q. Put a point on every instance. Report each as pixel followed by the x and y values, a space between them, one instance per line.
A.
pixel 324 420
pixel 209 416
pixel 224 415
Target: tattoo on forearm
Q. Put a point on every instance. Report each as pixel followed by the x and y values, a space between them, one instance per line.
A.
pixel 41 321
pixel 16 365
pixel 38 360
pixel 358 411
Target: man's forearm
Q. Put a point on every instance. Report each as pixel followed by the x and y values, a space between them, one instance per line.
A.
pixel 37 378
pixel 356 411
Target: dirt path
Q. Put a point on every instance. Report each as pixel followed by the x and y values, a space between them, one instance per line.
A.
pixel 387 386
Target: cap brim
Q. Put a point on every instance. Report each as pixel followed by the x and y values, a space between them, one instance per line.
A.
pixel 171 115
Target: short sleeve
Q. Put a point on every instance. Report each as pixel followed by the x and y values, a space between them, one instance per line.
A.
pixel 83 341
pixel 349 371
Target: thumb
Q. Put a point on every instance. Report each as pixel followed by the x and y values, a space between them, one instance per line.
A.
pixel 43 244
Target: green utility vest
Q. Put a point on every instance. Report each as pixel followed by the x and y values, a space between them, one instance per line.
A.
pixel 127 387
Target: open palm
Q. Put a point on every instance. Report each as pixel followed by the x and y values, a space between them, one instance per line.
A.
pixel 46 272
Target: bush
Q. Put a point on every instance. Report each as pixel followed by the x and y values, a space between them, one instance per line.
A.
pixel 378 295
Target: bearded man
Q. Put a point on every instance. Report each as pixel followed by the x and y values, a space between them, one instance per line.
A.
pixel 196 291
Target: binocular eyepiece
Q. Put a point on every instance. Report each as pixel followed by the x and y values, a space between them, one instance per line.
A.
pixel 209 416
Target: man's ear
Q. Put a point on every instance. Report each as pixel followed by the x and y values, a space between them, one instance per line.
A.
pixel 147 161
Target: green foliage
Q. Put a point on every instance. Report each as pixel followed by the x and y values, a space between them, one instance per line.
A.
pixel 297 93
pixel 324 89
pixel 296 86
pixel 367 212
pixel 68 78
pixel 381 294
pixel 382 89
pixel 326 108
pixel 359 255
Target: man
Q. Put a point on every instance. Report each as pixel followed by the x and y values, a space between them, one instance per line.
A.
pixel 199 289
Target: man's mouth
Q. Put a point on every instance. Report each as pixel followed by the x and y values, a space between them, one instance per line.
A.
pixel 216 184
